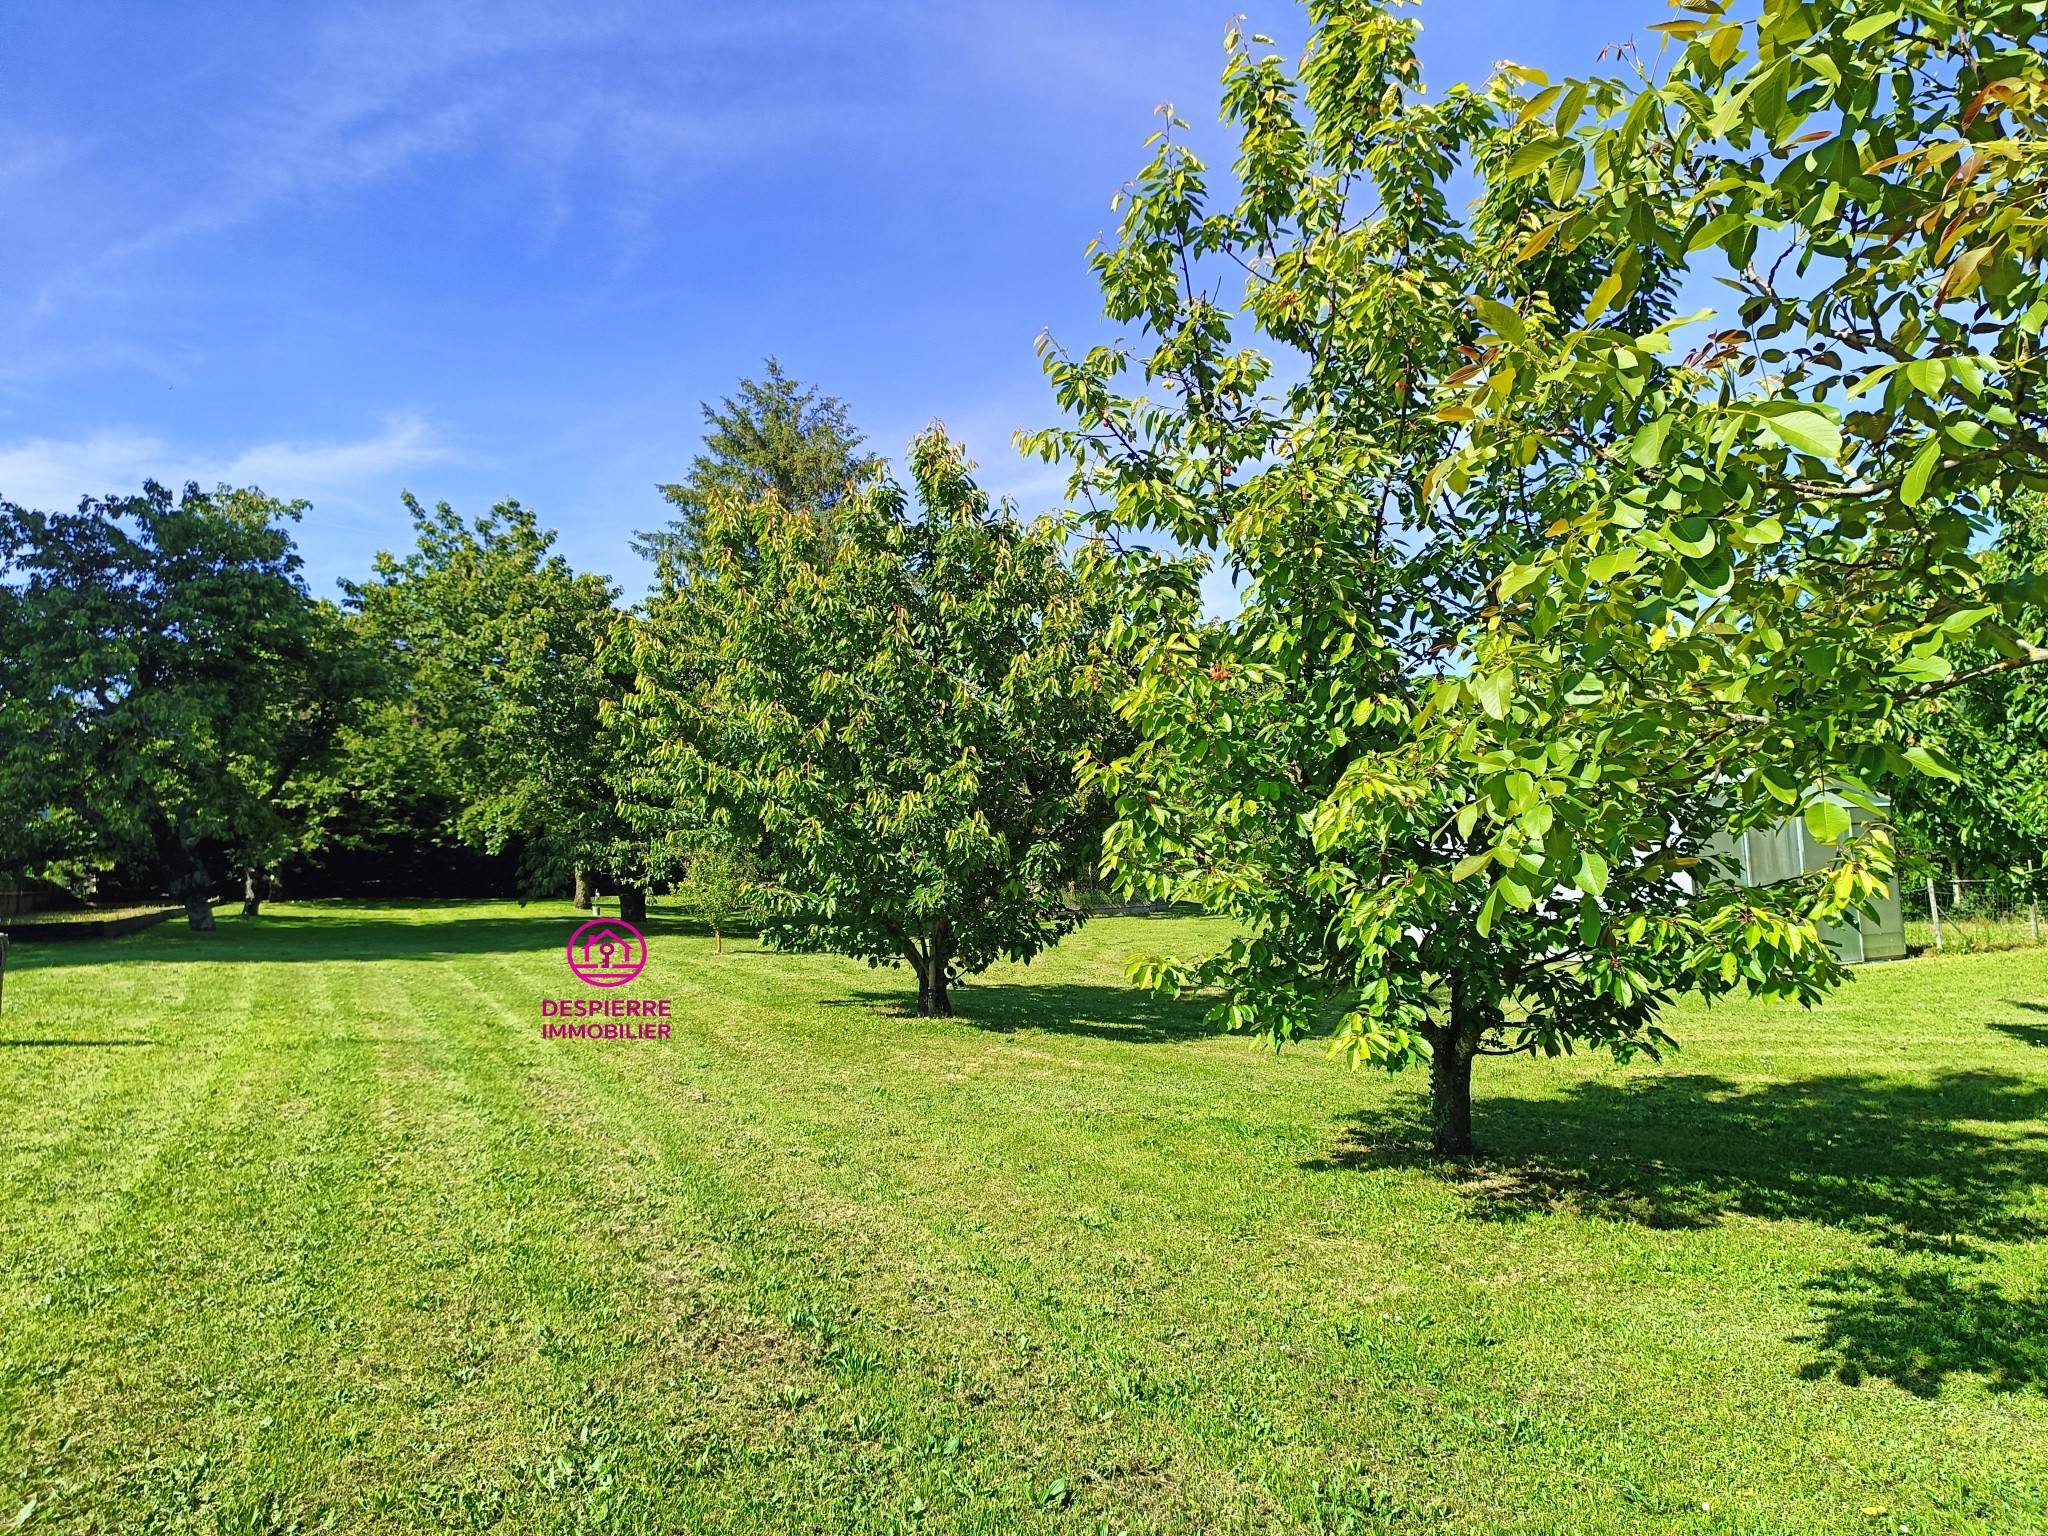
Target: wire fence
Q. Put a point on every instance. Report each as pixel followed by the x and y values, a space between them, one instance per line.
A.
pixel 1957 916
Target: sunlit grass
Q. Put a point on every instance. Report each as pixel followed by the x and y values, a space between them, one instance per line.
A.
pixel 303 1225
pixel 1974 935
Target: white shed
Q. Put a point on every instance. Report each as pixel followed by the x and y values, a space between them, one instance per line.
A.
pixel 1788 850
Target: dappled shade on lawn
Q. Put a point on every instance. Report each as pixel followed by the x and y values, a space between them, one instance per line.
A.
pixel 1918 1326
pixel 1942 1165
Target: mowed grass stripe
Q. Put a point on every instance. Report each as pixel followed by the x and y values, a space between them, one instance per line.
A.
pixel 813 1266
pixel 205 1296
pixel 303 1235
pixel 1594 1342
pixel 760 1298
pixel 98 1068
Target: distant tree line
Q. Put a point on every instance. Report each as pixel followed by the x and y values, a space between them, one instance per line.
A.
pixel 850 714
pixel 1547 588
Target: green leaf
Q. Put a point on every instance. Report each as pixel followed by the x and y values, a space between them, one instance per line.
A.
pixel 1614 562
pixel 1963 620
pixel 1516 577
pixel 1925 669
pixel 1927 374
pixel 1931 764
pixel 1584 690
pixel 1592 875
pixel 1503 319
pixel 1487 909
pixel 1913 489
pixel 1779 784
pixel 1870 26
pixel 1493 692
pixel 1566 172
pixel 1533 156
pixel 1649 444
pixel 1466 868
pixel 2004 642
pixel 1537 105
pixel 1828 821
pixel 1694 535
pixel 1809 432
pixel 1614 289
pixel 1628 270
pixel 1697 106
pixel 1568 109
pixel 1715 230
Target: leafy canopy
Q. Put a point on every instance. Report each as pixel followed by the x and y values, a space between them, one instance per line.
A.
pixel 510 658
pixel 1541 607
pixel 777 437
pixel 165 681
pixel 1993 728
pixel 886 714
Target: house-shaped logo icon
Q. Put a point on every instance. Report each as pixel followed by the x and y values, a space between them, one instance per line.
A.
pixel 607 952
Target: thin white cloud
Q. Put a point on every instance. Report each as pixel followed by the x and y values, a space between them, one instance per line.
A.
pixel 405 441
pixel 56 472
pixel 373 88
pixel 612 108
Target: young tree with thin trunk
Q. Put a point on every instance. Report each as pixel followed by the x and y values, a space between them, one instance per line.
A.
pixel 1539 609
pixel 719 889
pixel 886 717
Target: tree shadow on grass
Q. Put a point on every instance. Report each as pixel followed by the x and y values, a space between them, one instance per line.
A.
pixel 423 930
pixel 1943 1166
pixel 1128 1015
pixel 1917 1327
pixel 2035 1035
pixel 1937 1175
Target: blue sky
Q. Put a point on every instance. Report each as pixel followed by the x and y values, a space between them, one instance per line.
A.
pixel 486 250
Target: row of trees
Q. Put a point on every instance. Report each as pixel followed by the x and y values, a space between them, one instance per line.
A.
pixel 1549 589
pixel 852 711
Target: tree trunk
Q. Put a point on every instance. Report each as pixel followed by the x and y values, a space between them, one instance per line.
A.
pixel 717 940
pixel 919 964
pixel 632 904
pixel 194 887
pixel 255 888
pixel 582 897
pixel 1450 1097
pixel 1451 1050
pixel 937 1001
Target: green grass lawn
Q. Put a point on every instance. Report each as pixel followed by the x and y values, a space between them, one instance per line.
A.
pixel 303 1226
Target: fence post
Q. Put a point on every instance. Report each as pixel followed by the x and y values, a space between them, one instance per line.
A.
pixel 2034 902
pixel 1934 911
